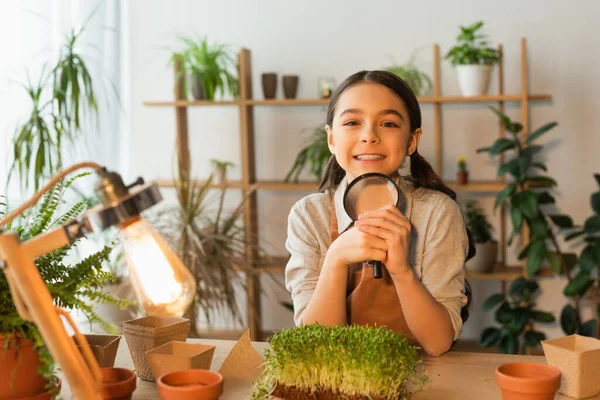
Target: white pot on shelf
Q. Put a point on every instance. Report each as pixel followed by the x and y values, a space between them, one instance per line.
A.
pixel 474 79
pixel 485 257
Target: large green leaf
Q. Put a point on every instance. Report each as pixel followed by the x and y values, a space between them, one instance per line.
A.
pixel 597 178
pixel 588 328
pixel 509 344
pixel 501 145
pixel 537 254
pixel 533 338
pixel 542 316
pixel 529 204
pixel 489 337
pixel 588 260
pixel 530 151
pixel 504 314
pixel 540 131
pixel 569 319
pixel 540 166
pixel 562 221
pixel 493 301
pixel 574 235
pixel 525 252
pixel 596 202
pixel 517 218
pixel 517 286
pixel 520 318
pixel 542 180
pixel 512 167
pixel 579 284
pixel 504 118
pixel 505 194
pixel 539 229
pixel 592 224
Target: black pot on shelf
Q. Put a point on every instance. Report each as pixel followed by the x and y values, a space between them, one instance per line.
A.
pixel 290 86
pixel 197 89
pixel 269 85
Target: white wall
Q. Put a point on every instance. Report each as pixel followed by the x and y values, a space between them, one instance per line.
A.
pixel 313 38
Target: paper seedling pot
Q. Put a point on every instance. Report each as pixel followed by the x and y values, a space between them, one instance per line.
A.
pixel 104 348
pixel 578 359
pixel 178 356
pixel 146 333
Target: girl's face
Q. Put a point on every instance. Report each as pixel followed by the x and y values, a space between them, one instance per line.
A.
pixel 371 131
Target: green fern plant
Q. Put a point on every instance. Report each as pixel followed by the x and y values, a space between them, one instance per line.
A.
pixel 73 286
pixel 315 153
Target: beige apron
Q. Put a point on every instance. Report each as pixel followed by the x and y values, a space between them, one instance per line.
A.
pixel 371 301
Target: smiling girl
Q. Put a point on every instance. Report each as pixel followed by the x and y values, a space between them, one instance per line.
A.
pixel 373 124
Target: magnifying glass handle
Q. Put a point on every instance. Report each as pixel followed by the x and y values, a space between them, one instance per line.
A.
pixel 377 270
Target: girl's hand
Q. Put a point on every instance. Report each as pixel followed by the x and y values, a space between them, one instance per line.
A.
pixel 390 225
pixel 354 246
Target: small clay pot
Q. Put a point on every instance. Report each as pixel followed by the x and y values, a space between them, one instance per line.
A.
pixel 269 85
pixel 527 381
pixel 19 363
pixel 104 348
pixel 462 178
pixel 578 360
pixel 49 394
pixel 190 385
pixel 290 86
pixel 146 333
pixel 117 383
pixel 178 356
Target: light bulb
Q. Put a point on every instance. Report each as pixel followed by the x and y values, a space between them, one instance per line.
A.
pixel 163 285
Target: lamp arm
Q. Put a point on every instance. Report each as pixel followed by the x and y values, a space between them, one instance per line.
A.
pixel 36 197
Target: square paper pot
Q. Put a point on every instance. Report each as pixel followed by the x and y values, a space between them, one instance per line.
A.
pixel 104 348
pixel 177 356
pixel 578 359
pixel 146 333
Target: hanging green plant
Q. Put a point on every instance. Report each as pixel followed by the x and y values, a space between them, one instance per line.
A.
pixel 416 79
pixel 315 361
pixel 315 153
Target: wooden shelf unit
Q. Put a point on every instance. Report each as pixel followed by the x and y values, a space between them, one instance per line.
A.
pixel 249 183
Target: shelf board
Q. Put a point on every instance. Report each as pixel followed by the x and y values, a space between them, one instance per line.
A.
pixel 273 264
pixel 502 272
pixel 324 102
pixel 229 185
pixel 281 185
pixel 195 103
pixel 477 186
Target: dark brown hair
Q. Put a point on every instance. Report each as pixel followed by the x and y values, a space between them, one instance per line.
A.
pixel 422 174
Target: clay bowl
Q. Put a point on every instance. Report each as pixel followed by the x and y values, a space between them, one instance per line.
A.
pixel 190 384
pixel 527 381
pixel 117 383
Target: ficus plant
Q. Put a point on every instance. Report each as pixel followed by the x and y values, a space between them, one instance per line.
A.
pixel 528 198
pixel 515 314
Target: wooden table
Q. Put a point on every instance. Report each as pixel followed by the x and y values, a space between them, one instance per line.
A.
pixel 453 376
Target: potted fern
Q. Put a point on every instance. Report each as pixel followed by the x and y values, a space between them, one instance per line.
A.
pixel 473 59
pixel 209 67
pixel 487 249
pixel 26 366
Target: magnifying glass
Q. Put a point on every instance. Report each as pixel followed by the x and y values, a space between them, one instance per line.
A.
pixel 369 192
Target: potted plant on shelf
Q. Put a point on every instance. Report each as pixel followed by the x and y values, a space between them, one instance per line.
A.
pixel 315 361
pixel 220 169
pixel 418 80
pixel 462 175
pixel 315 152
pixel 487 249
pixel 209 68
pixel 473 60
pixel 26 366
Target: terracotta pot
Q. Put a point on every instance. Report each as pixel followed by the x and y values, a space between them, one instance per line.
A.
pixel 485 257
pixel 462 178
pixel 104 348
pixel 146 333
pixel 290 86
pixel 190 385
pixel 19 363
pixel 527 381
pixel 117 383
pixel 269 85
pixel 178 356
pixel 578 360
pixel 49 394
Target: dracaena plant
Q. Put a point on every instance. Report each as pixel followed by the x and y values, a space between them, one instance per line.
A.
pixel 528 197
pixel 515 314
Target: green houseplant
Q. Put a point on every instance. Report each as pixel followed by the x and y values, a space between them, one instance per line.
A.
pixel 62 101
pixel 418 80
pixel 73 285
pixel 528 197
pixel 209 68
pixel 220 169
pixel 473 59
pixel 487 248
pixel 315 361
pixel 315 153
pixel 211 243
